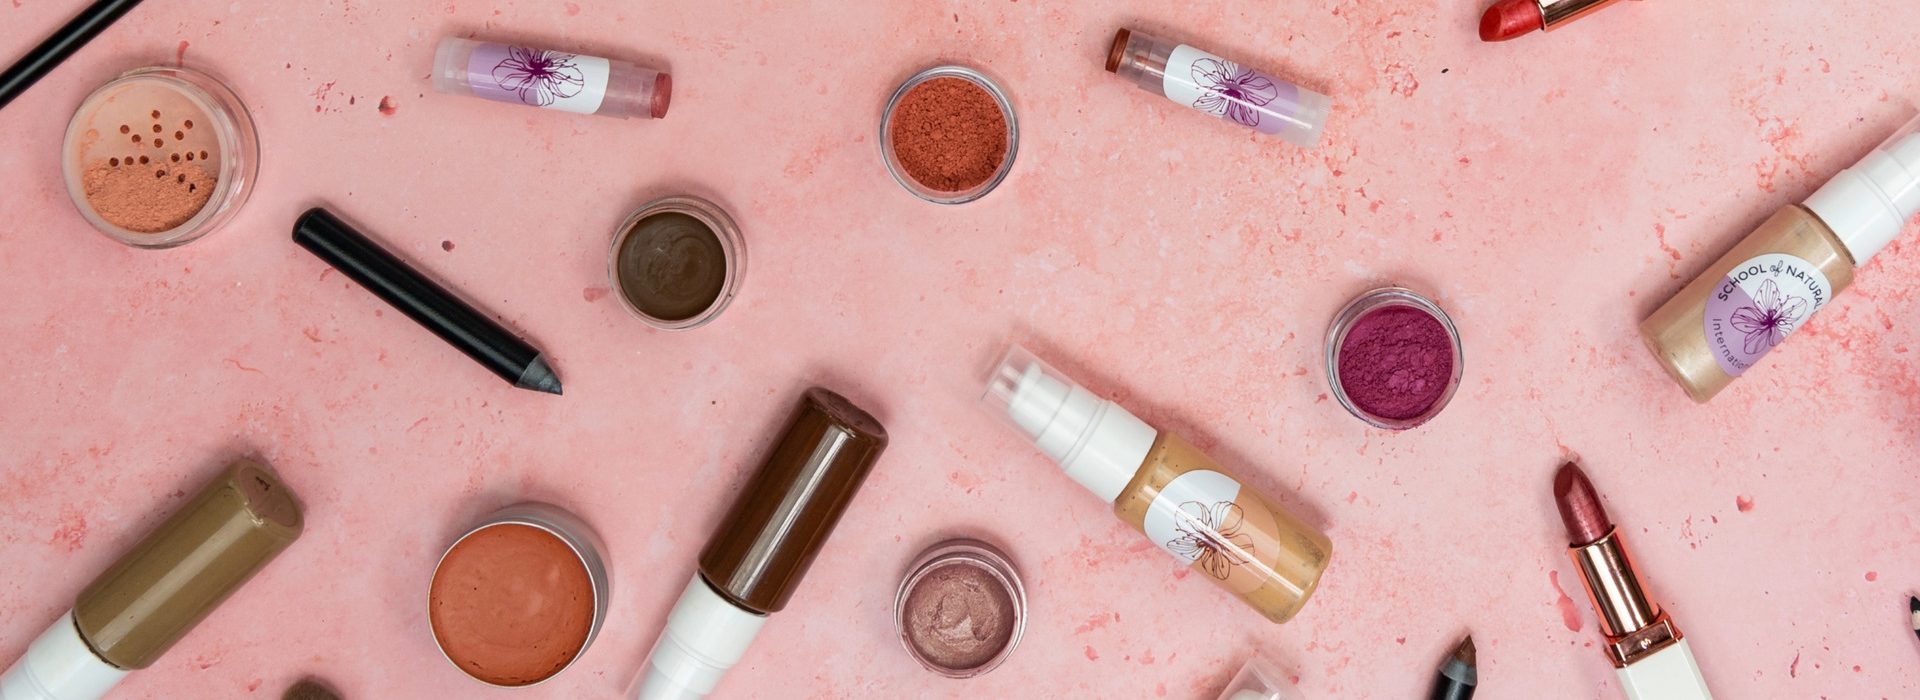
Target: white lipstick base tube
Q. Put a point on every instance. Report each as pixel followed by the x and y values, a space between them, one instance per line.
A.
pixel 1669 674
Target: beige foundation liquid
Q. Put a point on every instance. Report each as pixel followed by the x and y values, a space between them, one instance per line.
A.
pixel 1247 544
pixel 1163 486
pixel 1770 284
pixel 1679 333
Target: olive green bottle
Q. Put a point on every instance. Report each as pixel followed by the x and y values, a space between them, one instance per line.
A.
pixel 158 591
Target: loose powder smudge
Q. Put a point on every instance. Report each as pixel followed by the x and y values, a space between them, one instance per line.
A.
pixel 959 617
pixel 1396 362
pixel 949 134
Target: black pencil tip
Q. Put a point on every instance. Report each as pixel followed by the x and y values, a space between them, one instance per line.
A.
pixel 539 377
pixel 1465 652
pixel 1913 605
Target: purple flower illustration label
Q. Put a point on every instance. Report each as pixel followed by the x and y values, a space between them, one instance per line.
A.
pixel 1231 91
pixel 1209 522
pixel 1758 304
pixel 537 77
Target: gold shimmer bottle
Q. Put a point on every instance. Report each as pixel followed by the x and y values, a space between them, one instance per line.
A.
pixel 1165 487
pixel 1752 298
pixel 161 589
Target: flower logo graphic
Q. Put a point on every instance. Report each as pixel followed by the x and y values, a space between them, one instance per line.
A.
pixel 1210 536
pixel 539 77
pixel 1232 91
pixel 1771 317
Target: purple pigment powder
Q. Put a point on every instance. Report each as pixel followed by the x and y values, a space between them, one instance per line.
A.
pixel 1396 362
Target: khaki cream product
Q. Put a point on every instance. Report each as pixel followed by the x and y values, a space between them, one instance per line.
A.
pixel 157 592
pixel 1166 488
pixel 764 546
pixel 1773 281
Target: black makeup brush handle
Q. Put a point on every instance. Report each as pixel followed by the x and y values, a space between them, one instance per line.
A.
pixel 66 40
pixel 422 300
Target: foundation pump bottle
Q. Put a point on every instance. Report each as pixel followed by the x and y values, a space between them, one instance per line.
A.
pixel 161 589
pixel 764 546
pixel 1763 290
pixel 1164 487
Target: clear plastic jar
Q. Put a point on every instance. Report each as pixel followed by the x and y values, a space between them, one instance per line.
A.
pixel 159 157
pixel 1366 305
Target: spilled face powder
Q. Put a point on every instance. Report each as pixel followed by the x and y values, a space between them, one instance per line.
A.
pixel 676 262
pixel 961 609
pixel 516 600
pixel 948 135
pixel 1393 357
pixel 159 156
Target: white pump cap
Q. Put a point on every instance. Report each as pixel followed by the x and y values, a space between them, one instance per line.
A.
pixel 706 634
pixel 1867 205
pixel 60 666
pixel 1096 441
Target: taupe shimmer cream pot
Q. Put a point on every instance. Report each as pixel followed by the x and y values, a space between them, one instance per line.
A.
pixel 961 609
pixel 677 262
pixel 520 597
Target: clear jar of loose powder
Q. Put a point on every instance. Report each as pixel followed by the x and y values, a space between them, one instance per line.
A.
pixel 159 157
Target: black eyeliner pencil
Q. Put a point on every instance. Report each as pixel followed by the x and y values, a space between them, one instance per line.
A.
pixel 1458 675
pixel 427 303
pixel 1913 612
pixel 65 40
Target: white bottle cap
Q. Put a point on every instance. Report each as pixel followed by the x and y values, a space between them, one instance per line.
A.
pixel 1097 442
pixel 706 634
pixel 1868 204
pixel 60 666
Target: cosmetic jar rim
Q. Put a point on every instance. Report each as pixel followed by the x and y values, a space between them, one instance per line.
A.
pixel 892 159
pixel 733 247
pixel 962 551
pixel 563 526
pixel 239 153
pixel 1365 304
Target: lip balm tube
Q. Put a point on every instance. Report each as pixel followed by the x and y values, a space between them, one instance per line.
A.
pixel 550 79
pixel 1220 87
pixel 763 548
pixel 159 590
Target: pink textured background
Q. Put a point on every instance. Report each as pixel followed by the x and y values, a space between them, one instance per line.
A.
pixel 1549 192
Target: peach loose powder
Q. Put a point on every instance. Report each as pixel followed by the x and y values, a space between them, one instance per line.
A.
pixel 148 158
pixel 511 604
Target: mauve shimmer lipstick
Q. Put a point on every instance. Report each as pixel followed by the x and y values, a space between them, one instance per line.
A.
pixel 1648 652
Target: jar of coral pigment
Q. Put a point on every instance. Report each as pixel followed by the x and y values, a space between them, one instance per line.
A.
pixel 948 135
pixel 520 597
pixel 1393 358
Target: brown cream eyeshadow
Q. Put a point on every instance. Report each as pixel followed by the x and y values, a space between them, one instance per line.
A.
pixel 959 616
pixel 671 266
pixel 511 604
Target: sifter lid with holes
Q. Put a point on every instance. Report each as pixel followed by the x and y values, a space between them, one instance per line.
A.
pixel 159 157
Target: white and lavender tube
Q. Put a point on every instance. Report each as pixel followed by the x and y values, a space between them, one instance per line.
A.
pixel 550 79
pixel 1220 87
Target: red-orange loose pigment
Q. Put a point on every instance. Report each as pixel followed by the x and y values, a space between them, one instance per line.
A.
pixel 949 134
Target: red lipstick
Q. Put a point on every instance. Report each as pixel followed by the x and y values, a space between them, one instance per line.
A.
pixel 1647 650
pixel 1580 508
pixel 1509 19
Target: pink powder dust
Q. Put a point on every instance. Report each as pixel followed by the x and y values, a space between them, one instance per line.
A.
pixel 1396 362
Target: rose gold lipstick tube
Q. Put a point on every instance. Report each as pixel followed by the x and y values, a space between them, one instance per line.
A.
pixel 1559 12
pixel 1648 652
pixel 1634 625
